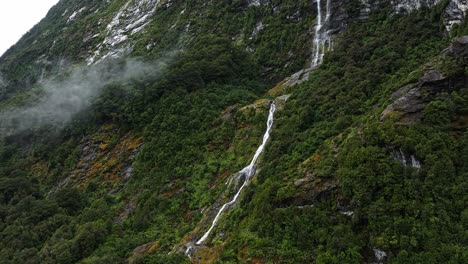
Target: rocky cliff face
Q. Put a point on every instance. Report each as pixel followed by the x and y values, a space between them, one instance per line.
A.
pixel 454 12
pixel 123 26
pixel 409 101
pixel 132 18
pixel 365 160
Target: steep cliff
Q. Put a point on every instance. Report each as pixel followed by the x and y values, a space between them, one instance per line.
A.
pixel 171 131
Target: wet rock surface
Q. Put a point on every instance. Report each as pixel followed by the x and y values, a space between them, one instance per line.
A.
pixel 132 18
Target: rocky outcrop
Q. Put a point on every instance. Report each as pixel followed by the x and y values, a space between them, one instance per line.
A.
pixel 410 100
pixel 132 18
pixel 339 18
pixel 125 212
pixel 404 6
pixel 310 190
pixel 380 256
pixel 459 48
pixel 106 157
pixel 455 11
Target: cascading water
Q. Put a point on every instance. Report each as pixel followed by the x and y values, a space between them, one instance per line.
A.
pixel 246 172
pixel 322 39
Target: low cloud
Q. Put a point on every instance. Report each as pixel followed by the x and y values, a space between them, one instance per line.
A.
pixel 62 98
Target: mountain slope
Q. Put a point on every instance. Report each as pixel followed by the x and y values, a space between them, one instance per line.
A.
pixel 136 117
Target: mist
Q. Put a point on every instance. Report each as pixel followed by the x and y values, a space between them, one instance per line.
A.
pixel 61 98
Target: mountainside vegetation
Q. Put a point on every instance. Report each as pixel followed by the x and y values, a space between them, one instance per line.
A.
pixel 367 161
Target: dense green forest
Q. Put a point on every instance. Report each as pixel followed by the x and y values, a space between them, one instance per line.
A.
pixel 349 171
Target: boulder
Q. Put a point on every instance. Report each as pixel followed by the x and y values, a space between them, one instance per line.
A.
pixel 459 48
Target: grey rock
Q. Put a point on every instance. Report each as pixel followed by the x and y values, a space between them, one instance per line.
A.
pixel 380 256
pixel 432 76
pixel 459 47
pixel 300 182
pixel 401 92
pixel 410 100
pixel 455 13
pixel 409 103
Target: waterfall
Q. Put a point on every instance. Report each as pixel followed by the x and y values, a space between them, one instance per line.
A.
pixel 322 40
pixel 246 172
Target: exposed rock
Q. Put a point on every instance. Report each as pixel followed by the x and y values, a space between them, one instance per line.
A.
pixel 257 105
pixel 283 97
pixel 401 92
pixel 75 14
pixel 229 113
pixel 432 76
pixel 281 101
pixel 140 251
pixel 365 11
pixel 257 2
pixel 409 105
pixel 455 13
pixel 410 100
pixel 291 81
pixel 310 190
pixel 132 18
pixel 380 256
pixel 406 6
pixel 130 206
pixel 104 157
pixel 258 28
pixel 339 18
pixel 305 180
pixel 459 47
pixel 298 77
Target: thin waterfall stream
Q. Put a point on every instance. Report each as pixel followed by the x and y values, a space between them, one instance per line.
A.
pixel 246 172
pixel 322 39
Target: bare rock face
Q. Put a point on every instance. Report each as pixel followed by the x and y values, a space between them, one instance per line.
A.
pixel 403 6
pixel 131 19
pixel 311 190
pixel 408 101
pixel 432 76
pixel 380 256
pixel 455 11
pixel 410 105
pixel 459 48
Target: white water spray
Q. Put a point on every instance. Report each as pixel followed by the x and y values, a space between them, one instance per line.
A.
pixel 322 40
pixel 247 172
